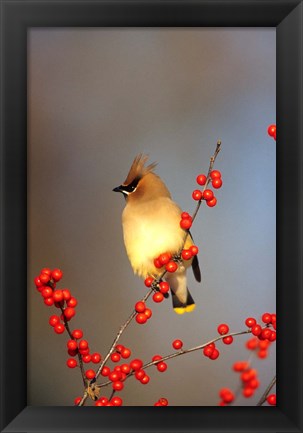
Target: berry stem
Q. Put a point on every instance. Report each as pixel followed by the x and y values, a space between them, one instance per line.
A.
pixel 267 391
pixel 78 354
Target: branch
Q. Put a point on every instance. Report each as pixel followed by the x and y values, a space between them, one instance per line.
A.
pixel 267 391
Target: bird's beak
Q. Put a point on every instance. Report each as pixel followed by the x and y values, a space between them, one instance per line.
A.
pixel 118 189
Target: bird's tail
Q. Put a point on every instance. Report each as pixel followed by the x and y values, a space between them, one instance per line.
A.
pixel 181 307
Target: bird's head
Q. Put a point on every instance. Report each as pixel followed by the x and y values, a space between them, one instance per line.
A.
pixel 141 181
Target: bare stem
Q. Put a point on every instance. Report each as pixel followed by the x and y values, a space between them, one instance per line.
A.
pixel 181 352
pixel 267 391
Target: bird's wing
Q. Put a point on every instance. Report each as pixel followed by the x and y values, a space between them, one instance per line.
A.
pixel 195 266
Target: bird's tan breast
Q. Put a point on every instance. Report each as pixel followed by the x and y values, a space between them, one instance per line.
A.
pixel 150 229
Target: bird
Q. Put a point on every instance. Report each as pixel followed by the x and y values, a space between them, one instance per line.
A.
pixel 151 226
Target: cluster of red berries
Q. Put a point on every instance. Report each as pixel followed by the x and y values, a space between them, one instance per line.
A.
pixel 207 194
pixel 161 402
pixel 81 348
pixel 104 401
pixel 143 313
pixel 227 396
pixel 263 332
pixel 60 298
pixel 272 131
pixel 161 365
pixel 165 260
pixel 248 377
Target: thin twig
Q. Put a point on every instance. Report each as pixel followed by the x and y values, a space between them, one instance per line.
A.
pixel 267 391
pixel 181 352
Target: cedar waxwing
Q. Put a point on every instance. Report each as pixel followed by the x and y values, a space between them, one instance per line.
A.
pixel 151 226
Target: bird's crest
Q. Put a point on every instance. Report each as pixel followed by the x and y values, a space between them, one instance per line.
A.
pixel 138 168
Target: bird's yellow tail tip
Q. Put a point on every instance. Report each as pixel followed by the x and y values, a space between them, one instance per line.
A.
pixel 187 309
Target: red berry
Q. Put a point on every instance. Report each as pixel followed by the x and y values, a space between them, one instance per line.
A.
pixel 215 354
pixel 49 302
pixel 164 258
pixel 140 307
pixel 208 194
pixel 197 195
pixel 96 358
pixel 72 345
pixel 194 250
pixel 162 366
pixel 228 396
pixel 212 202
pixel 217 183
pixel 250 322
pixel 77 400
pixel 252 343
pixel 57 274
pixel 186 223
pixel 116 401
pixel 125 353
pixel 157 263
pixel 114 376
pixel 37 282
pixel 148 281
pixel 262 354
pixel 72 302
pixel 141 318
pixel 186 255
pixel 115 357
pixel 84 352
pixel 256 330
pixel 240 366
pixel 47 292
pixel 185 215
pixel 69 313
pixel 66 294
pixel 158 297
pixel 228 340
pixel 177 344
pixel 90 374
pixel 58 295
pixel 272 399
pixel 247 392
pixel 201 179
pixel 77 333
pixel 71 363
pixel 223 329
pixel 105 371
pixel 163 401
pixel 215 174
pixel 119 348
pixel 83 345
pixel 266 333
pixel 125 368
pixel 207 351
pixel 156 358
pixel 266 318
pixel 271 130
pixel 59 328
pixel 44 278
pixel 139 374
pixel 273 336
pixel 171 266
pixel 86 358
pixel 254 383
pixel 53 320
pixel 136 364
pixel 118 386
pixel 145 379
pixel 158 404
pixel 164 287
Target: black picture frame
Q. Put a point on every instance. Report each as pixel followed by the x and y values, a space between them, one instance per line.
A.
pixel 16 18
